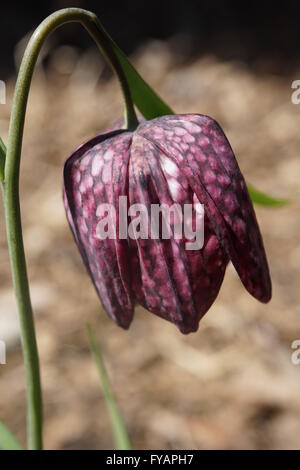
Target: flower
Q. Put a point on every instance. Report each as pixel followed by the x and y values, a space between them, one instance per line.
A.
pixel 177 159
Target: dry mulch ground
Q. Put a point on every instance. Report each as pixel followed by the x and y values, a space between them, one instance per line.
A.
pixel 230 385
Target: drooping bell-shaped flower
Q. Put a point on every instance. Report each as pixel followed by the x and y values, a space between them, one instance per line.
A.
pixel 177 159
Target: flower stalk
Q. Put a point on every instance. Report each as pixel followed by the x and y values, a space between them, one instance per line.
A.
pixel 10 169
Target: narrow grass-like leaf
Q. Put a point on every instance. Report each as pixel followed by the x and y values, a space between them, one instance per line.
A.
pixel 118 427
pixel 263 199
pixel 146 100
pixel 7 440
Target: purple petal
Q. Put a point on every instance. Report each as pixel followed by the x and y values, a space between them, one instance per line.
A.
pixel 199 147
pixel 97 173
pixel 170 281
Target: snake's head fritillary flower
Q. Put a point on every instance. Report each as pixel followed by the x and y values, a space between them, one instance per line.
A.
pixel 178 159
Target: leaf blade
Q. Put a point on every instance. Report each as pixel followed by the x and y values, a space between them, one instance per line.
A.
pixel 264 199
pixel 120 433
pixel 8 441
pixel 144 97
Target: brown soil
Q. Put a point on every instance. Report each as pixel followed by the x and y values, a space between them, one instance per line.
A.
pixel 230 385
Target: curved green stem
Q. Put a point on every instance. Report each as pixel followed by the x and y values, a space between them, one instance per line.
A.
pixel 11 194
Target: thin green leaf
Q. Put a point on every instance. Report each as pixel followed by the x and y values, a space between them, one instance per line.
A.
pixel 2 159
pixel 7 440
pixel 264 199
pixel 146 100
pixel 118 427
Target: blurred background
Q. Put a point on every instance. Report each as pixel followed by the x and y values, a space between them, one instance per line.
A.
pixel 232 384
